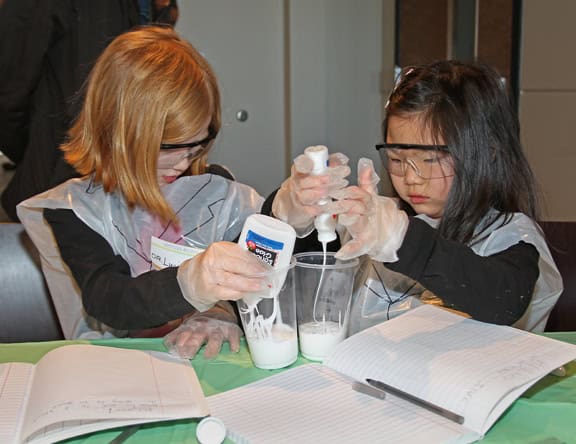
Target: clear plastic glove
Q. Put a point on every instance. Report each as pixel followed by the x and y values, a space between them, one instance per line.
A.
pixel 296 202
pixel 223 272
pixel 200 329
pixel 375 224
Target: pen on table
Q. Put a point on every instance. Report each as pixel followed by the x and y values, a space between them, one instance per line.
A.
pixel 368 390
pixel 415 400
pixel 126 433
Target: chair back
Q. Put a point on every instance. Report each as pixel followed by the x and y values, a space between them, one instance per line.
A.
pixel 26 310
pixel 561 238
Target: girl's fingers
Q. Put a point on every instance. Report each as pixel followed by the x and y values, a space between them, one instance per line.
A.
pixel 338 159
pixel 348 220
pixel 352 193
pixel 367 177
pixel 315 184
pixel 234 339
pixel 240 282
pixel 302 164
pixel 311 196
pixel 351 250
pixel 213 344
pixel 336 185
pixel 357 207
pixel 230 257
pixel 338 172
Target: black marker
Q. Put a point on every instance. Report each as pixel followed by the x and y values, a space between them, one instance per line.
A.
pixel 413 399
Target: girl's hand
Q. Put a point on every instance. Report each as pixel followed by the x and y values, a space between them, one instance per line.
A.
pixel 375 224
pixel 296 202
pixel 213 328
pixel 224 271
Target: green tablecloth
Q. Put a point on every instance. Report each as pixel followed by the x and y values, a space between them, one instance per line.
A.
pixel 545 414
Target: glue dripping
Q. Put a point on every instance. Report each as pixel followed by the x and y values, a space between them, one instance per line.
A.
pixel 317 338
pixel 272 342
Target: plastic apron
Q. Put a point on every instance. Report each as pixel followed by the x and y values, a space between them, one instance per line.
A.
pixel 210 208
pixel 382 294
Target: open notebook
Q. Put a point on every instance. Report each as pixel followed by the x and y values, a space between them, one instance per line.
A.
pixel 473 369
pixel 79 389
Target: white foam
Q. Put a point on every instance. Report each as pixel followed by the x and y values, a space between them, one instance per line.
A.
pixel 277 350
pixel 318 339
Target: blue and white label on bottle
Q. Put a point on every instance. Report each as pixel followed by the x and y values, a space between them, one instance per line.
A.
pixel 266 249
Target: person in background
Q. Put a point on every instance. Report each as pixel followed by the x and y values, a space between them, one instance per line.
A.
pixel 463 233
pixel 158 11
pixel 143 239
pixel 47 48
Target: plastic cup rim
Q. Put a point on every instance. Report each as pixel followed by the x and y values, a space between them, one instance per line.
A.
pixel 343 264
pixel 273 270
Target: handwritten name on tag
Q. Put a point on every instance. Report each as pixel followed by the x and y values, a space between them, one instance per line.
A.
pixel 167 254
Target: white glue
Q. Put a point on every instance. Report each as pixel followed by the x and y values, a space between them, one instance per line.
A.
pixel 324 223
pixel 272 343
pixel 319 337
pixel 277 350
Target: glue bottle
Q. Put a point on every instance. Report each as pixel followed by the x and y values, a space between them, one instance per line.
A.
pixel 270 239
pixel 269 321
pixel 325 224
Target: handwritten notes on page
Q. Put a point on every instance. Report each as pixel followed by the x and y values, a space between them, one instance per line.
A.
pixel 78 389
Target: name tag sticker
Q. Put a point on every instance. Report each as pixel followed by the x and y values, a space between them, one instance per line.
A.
pixel 167 254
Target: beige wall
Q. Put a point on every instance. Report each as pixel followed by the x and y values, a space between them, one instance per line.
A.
pixel 548 101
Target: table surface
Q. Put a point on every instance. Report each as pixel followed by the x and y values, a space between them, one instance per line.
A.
pixel 545 414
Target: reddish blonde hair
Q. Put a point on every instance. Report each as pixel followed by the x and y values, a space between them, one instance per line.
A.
pixel 148 87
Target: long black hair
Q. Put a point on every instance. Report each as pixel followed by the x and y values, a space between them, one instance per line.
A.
pixel 467 106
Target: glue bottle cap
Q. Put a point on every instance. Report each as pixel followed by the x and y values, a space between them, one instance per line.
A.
pixel 319 156
pixel 325 225
pixel 211 430
pixel 326 236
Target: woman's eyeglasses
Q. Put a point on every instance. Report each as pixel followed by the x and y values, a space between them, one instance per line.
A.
pixel 174 146
pixel 434 161
pixel 194 149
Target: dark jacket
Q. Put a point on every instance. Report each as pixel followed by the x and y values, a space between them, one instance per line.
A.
pixel 47 48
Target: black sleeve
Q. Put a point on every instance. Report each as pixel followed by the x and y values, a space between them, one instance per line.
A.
pixel 308 243
pixel 109 293
pixel 27 30
pixel 220 170
pixel 496 288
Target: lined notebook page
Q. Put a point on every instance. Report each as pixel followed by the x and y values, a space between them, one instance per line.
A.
pixel 469 367
pixel 68 429
pixel 312 403
pixel 14 384
pixel 91 383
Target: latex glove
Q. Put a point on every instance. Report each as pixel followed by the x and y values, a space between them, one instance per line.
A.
pixel 221 272
pixel 375 224
pixel 212 329
pixel 296 202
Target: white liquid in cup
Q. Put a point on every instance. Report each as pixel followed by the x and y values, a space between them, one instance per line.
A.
pixel 277 350
pixel 318 339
